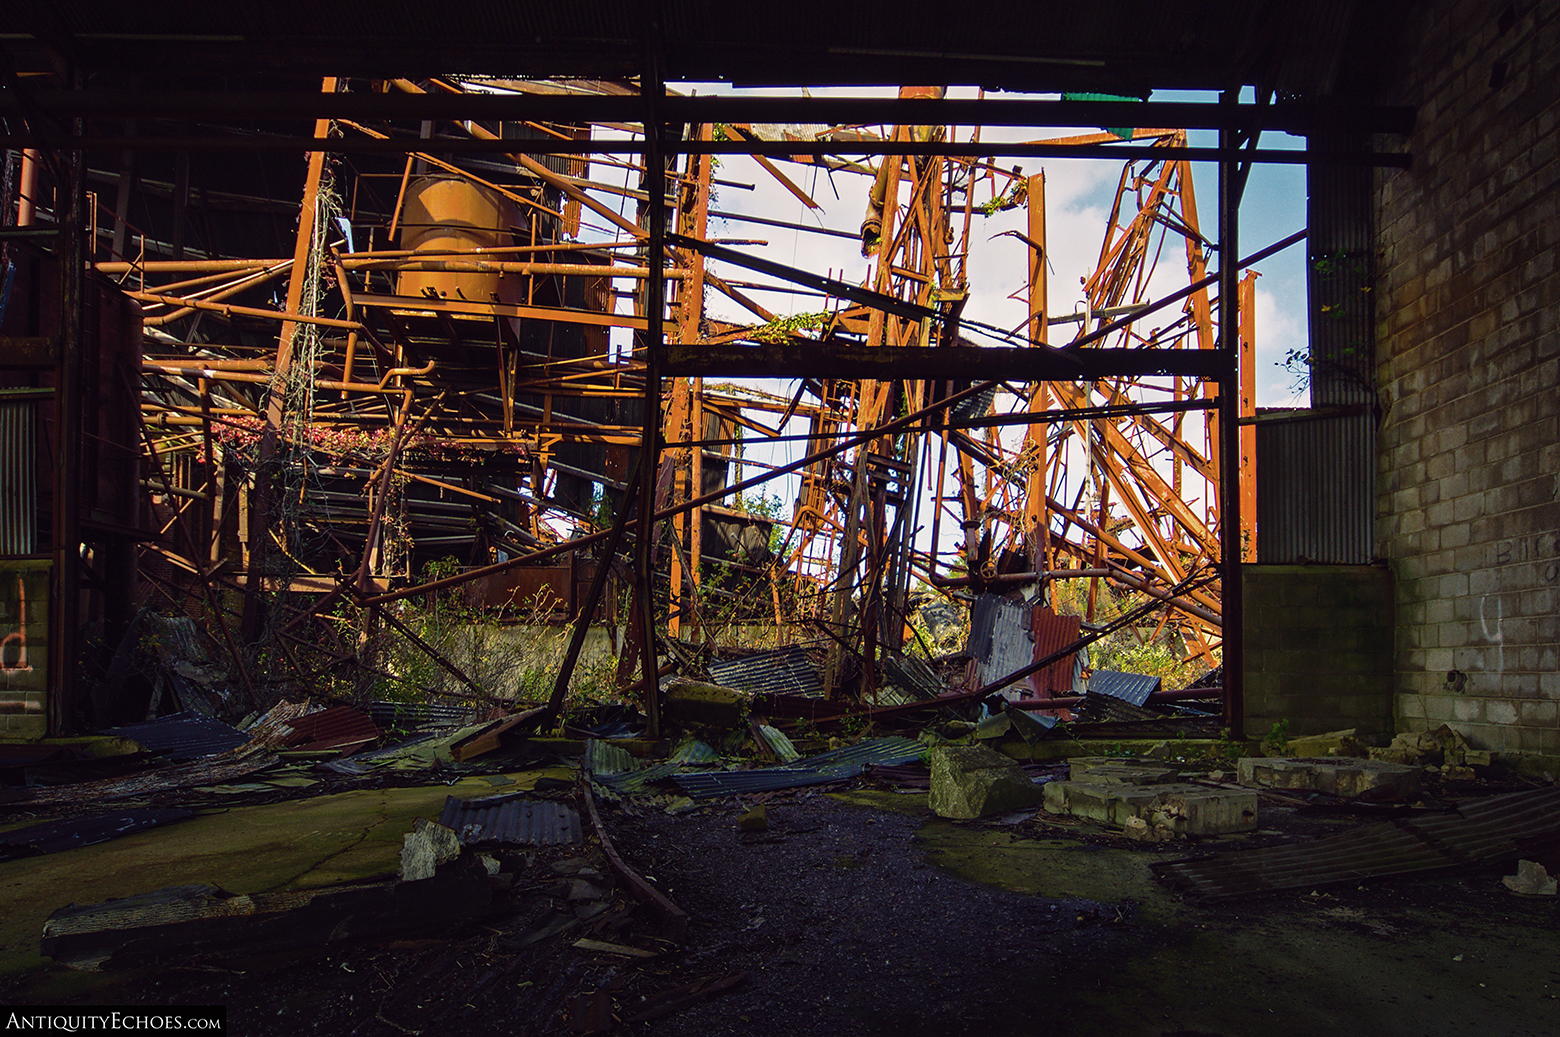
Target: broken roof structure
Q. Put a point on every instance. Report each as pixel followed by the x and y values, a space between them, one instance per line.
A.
pixel 413 288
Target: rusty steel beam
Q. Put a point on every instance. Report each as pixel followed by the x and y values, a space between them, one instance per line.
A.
pixel 834 360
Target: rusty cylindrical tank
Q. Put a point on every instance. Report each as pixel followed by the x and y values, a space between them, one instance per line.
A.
pixel 450 214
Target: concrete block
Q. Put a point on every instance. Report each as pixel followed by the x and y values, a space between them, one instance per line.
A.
pixel 973 781
pixel 1108 771
pixel 1378 780
pixel 1180 809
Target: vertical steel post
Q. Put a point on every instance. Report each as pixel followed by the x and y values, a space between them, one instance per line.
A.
pixel 651 89
pixel 65 607
pixel 1229 426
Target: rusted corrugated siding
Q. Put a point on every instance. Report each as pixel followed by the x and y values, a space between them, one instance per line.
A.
pixel 1316 490
pixel 1053 633
pixel 336 727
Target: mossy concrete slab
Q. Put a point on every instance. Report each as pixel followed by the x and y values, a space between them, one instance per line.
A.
pixel 1057 868
pixel 302 843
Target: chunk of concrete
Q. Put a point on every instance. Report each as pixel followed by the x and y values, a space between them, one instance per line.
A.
pixel 973 781
pixel 707 705
pixel 428 845
pixel 1443 745
pixel 1119 772
pixel 1376 780
pixel 1531 879
pixel 1176 808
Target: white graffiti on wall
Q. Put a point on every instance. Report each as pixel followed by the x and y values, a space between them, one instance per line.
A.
pixel 1495 636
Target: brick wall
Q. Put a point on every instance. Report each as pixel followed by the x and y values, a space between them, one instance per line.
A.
pixel 1468 300
pixel 1318 648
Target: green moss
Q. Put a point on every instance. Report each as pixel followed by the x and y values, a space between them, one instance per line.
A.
pixel 299 844
pixel 1058 868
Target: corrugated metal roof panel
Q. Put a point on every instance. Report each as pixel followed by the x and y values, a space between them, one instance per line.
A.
pixel 213 770
pixel 1054 633
pixel 183 736
pixel 512 821
pixel 914 675
pixel 1000 638
pixel 1128 687
pixel 784 671
pixel 1480 831
pixel 333 728
pixel 406 715
pixel 69 833
pixel 603 759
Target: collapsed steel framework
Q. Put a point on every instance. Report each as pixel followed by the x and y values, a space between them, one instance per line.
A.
pixel 311 422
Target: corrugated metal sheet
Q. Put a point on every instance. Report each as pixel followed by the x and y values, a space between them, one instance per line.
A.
pixel 999 637
pixel 1053 633
pixel 1341 253
pixel 338 727
pixel 1128 687
pixel 836 765
pixel 912 674
pixel 213 770
pixel 1006 636
pixel 1487 830
pixel 603 759
pixel 183 736
pixel 1316 490
pixel 784 671
pixel 71 832
pixel 512 821
pixel 634 782
pixel 18 477
pixel 406 715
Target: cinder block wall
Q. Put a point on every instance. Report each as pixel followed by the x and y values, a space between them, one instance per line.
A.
pixel 1468 301
pixel 1318 648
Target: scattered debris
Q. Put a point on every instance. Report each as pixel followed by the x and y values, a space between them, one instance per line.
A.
pixel 1374 780
pixel 835 765
pixel 206 771
pixel 974 781
pixel 181 921
pixel 1438 748
pixel 338 728
pixel 674 921
pixel 785 671
pixel 490 737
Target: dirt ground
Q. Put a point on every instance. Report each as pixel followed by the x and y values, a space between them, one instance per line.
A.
pixel 857 912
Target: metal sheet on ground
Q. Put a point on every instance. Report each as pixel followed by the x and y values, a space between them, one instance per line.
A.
pixel 512 820
pixel 1482 831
